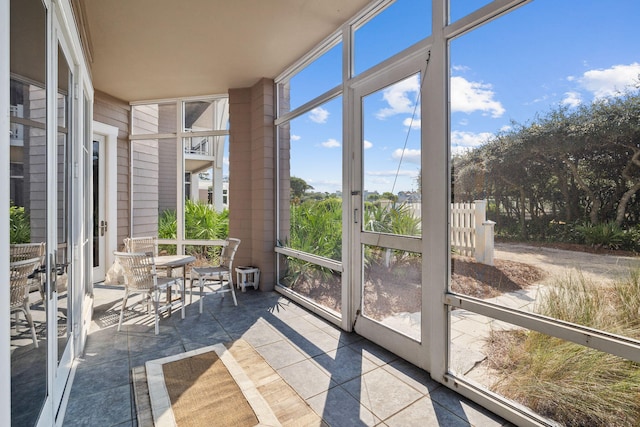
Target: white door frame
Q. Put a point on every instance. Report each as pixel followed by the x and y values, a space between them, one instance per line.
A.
pixel 400 344
pixel 110 193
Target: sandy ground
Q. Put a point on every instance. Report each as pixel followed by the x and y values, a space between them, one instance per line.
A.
pixel 558 262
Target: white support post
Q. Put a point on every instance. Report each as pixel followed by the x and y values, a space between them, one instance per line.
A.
pixel 484 234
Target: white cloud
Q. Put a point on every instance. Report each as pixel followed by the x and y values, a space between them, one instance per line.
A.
pixel 295 137
pixel 397 96
pixel 415 123
pixel 330 143
pixel 572 99
pixel 464 141
pixel 367 144
pixel 460 68
pixel 407 155
pixel 381 174
pixel 319 115
pixel 611 81
pixel 225 161
pixel 468 97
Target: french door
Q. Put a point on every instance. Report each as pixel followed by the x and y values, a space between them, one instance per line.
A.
pixel 385 198
pixel 100 223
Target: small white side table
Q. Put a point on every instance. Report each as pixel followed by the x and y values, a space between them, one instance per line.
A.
pixel 247 276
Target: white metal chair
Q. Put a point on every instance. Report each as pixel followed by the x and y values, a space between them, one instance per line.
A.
pixel 140 277
pixel 19 290
pixel 218 279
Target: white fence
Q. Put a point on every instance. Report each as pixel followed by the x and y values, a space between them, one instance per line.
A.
pixel 471 233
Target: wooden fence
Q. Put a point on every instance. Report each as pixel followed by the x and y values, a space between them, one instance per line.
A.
pixel 471 233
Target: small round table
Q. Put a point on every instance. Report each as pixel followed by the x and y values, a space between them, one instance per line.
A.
pixel 243 274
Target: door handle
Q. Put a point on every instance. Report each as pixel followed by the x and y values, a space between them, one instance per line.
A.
pixel 355 215
pixel 103 227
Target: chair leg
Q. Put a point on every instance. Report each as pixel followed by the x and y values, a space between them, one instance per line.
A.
pixel 233 292
pixel 183 299
pixel 156 315
pixel 124 304
pixel 201 285
pixel 27 315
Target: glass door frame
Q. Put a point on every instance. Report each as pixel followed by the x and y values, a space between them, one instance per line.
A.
pixel 400 344
pixel 109 192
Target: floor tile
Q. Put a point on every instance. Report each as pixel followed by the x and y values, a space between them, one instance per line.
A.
pixel 339 408
pixel 381 392
pixel 280 354
pixel 344 364
pixel 306 378
pixel 426 413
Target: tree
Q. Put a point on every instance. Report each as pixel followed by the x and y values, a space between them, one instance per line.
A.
pixel 298 187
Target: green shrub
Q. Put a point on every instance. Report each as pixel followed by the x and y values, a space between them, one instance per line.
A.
pixel 19 225
pixel 604 235
pixel 201 222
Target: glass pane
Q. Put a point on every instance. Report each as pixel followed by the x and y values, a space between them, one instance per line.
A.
pixel 28 102
pixel 321 75
pixel 540 146
pixel 27 233
pixel 400 25
pixel 391 153
pixel 206 115
pixel 392 289
pixel 154 192
pixel 313 182
pixel 461 8
pixel 65 82
pixel 565 382
pixel 543 169
pixel 321 285
pixel 96 201
pixel 154 119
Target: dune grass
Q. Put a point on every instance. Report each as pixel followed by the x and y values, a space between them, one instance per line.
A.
pixel 566 382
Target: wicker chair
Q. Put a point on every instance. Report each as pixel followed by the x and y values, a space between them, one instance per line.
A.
pixel 23 251
pixel 141 244
pixel 19 290
pixel 140 278
pixel 217 276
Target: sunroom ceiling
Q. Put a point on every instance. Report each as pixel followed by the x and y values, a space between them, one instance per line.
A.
pixel 153 49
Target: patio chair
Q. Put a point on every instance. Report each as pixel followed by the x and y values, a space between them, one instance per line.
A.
pixel 217 279
pixel 24 251
pixel 19 290
pixel 142 244
pixel 140 277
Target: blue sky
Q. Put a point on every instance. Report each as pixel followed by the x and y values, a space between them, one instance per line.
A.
pixel 545 54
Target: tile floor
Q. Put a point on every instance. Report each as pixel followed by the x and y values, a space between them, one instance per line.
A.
pixel 346 379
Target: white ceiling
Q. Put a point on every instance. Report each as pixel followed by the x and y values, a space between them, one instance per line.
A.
pixel 154 49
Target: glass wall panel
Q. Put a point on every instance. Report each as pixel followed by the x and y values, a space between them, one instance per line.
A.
pixel 206 115
pixel 400 25
pixel 392 289
pixel 315 185
pixel 63 285
pixel 567 383
pixel 391 159
pixel 27 233
pixel 152 119
pixel 461 8
pixel 321 75
pixel 545 207
pixel 318 284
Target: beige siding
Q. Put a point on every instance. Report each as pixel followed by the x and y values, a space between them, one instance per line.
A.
pixel 167 176
pixel 144 202
pixel 115 112
pixel 252 190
